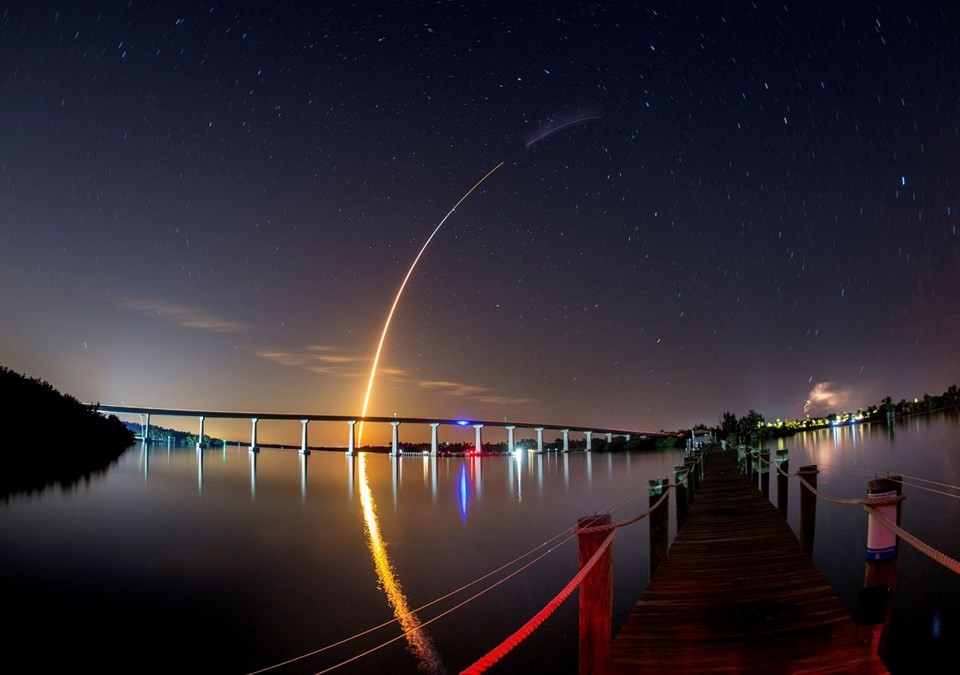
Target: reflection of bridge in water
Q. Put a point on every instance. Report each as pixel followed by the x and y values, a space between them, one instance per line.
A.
pixel 395 422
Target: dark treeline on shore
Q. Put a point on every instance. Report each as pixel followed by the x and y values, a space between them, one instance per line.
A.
pixel 52 438
pixel 753 426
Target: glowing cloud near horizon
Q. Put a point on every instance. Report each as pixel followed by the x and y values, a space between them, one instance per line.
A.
pixel 396 300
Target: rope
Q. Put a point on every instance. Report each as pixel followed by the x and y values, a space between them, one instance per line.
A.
pixel 443 614
pixel 927 550
pixel 565 533
pixel 932 482
pixel 885 501
pixel 869 503
pixel 594 529
pixel 504 648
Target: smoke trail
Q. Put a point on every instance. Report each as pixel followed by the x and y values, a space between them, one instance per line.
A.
pixel 386 325
pixel 566 125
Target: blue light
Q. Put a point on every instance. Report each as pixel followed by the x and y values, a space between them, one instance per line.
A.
pixel 463 492
pixel 463 423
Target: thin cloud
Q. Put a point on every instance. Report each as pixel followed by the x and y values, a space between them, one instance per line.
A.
pixel 189 317
pixel 319 359
pixel 474 392
pixel 329 360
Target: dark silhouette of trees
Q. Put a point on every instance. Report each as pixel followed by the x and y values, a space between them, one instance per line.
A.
pixel 52 438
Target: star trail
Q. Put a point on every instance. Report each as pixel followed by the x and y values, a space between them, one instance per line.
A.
pixel 703 206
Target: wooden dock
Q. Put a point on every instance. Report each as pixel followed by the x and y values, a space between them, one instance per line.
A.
pixel 736 593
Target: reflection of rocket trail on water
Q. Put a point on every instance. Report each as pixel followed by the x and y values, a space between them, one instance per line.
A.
pixel 386 326
pixel 420 643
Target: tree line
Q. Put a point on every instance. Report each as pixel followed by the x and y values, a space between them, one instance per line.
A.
pixel 753 425
pixel 52 438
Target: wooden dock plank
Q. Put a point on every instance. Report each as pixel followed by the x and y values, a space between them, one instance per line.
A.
pixel 736 593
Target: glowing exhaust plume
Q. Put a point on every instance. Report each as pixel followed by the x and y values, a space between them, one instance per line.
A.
pixel 417 639
pixel 393 307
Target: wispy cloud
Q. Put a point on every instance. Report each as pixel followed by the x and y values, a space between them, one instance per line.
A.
pixel 319 359
pixel 332 361
pixel 189 317
pixel 474 392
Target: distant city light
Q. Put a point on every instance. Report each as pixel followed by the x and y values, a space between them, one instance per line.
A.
pixel 462 423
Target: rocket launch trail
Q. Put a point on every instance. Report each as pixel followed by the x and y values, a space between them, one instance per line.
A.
pixel 396 300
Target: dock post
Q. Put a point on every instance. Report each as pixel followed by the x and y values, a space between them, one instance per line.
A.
pixel 659 523
pixel 596 595
pixel 783 487
pixel 692 475
pixel 680 477
pixel 880 575
pixel 765 472
pixel 808 507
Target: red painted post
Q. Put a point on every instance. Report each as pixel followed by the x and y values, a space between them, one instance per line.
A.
pixel 596 595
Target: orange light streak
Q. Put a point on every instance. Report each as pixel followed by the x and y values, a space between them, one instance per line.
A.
pixel 396 300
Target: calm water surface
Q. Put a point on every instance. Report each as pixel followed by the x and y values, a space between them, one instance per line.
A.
pixel 234 562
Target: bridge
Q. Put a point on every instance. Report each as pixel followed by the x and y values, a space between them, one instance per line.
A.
pixel 395 422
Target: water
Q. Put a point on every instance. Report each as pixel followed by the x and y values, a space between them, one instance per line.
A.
pixel 240 561
pixel 923 448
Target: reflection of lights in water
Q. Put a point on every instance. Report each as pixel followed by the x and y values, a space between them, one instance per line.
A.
pixel 935 628
pixel 519 458
pixel 463 492
pixel 418 640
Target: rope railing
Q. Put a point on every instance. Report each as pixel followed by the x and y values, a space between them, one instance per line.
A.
pixel 504 648
pixel 926 549
pixel 869 504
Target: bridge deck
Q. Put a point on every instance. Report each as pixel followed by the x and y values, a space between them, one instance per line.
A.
pixel 736 593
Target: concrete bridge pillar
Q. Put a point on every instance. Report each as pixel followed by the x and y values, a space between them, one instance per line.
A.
pixel 510 438
pixel 200 437
pixel 479 442
pixel 627 437
pixel 303 438
pixel 394 444
pixel 566 439
pixel 589 436
pixel 253 435
pixel 433 439
pixel 609 438
pixel 146 429
pixel 539 439
pixel 351 450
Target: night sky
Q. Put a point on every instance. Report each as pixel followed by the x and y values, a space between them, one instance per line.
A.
pixel 728 207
